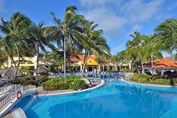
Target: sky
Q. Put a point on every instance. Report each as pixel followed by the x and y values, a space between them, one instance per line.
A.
pixel 118 18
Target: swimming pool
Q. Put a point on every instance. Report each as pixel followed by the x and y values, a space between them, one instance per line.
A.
pixel 116 99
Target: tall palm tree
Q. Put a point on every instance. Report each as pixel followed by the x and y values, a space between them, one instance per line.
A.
pixel 39 42
pixel 167 35
pixel 152 49
pixel 135 49
pixel 97 43
pixel 14 29
pixel 68 30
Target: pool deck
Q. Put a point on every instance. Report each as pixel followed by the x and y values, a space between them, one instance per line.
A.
pixel 42 92
pixel 127 80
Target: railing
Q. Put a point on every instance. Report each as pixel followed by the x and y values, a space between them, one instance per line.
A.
pixel 12 95
pixel 10 88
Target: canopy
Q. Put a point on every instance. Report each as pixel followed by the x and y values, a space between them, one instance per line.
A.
pixel 91 62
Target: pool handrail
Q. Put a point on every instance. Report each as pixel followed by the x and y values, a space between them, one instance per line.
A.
pixel 10 97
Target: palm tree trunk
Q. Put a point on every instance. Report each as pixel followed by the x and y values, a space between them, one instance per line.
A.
pixel 17 68
pixel 142 66
pixel 151 59
pixel 138 70
pixel 120 68
pixel 85 61
pixel 64 58
pixel 37 62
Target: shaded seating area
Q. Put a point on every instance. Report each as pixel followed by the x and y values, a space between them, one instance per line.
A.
pixel 163 67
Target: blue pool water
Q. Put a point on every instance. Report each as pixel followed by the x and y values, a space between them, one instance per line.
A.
pixel 115 99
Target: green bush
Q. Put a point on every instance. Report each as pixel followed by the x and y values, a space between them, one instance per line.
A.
pixel 30 80
pixel 78 84
pixel 143 78
pixel 73 82
pixel 139 78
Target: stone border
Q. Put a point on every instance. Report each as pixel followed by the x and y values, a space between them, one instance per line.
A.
pixel 71 92
pixel 144 84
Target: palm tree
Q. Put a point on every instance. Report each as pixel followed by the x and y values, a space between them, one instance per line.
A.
pixel 166 34
pixel 3 55
pixel 14 29
pixel 152 48
pixel 39 42
pixel 135 49
pixel 101 61
pixel 120 59
pixel 95 40
pixel 68 30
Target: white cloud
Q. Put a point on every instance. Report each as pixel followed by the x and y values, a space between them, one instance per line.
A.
pixel 113 15
pixel 106 19
pixel 136 27
pixel 2 6
pixel 138 11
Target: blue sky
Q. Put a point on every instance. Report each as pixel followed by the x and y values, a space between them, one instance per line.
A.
pixel 118 18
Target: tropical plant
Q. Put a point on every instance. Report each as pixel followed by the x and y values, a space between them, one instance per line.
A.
pixel 68 30
pixel 39 42
pixel 166 34
pixel 152 48
pixel 135 50
pixel 97 43
pixel 100 60
pixel 14 30
pixel 120 58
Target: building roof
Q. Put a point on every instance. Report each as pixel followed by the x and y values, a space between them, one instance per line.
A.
pixel 163 63
pixel 81 58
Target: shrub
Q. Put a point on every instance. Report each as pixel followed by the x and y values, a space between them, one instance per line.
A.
pixel 78 84
pixel 73 82
pixel 160 81
pixel 47 85
pixel 30 80
pixel 154 79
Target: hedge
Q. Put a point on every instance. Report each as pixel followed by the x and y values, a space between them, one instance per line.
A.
pixel 72 82
pixel 143 78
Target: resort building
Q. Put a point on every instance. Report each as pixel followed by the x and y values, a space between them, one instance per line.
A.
pixel 94 66
pixel 75 65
